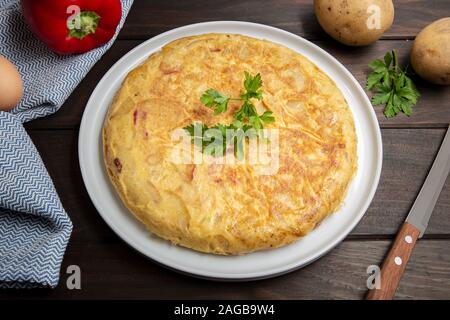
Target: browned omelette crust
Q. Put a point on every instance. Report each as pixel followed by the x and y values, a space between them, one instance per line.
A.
pixel 229 209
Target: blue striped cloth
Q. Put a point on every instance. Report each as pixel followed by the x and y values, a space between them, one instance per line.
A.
pixel 34 227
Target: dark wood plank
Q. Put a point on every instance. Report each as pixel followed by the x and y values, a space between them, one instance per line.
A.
pixel 149 18
pixel 408 155
pixel 111 270
pixel 433 109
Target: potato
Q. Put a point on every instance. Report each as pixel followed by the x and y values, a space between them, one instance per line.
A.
pixel 355 22
pixel 430 54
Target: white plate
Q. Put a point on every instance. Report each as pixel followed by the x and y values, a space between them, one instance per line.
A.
pixel 256 265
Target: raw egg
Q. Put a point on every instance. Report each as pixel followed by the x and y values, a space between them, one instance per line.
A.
pixel 11 85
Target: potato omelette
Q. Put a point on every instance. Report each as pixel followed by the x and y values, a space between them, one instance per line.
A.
pixel 224 208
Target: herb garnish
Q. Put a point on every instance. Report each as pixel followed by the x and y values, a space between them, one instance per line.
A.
pixel 215 100
pixel 246 119
pixel 393 88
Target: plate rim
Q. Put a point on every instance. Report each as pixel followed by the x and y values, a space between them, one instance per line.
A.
pixel 237 277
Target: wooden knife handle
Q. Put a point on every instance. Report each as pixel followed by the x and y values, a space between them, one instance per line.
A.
pixel 395 263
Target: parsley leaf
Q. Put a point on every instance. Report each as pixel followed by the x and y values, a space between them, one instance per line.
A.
pixel 246 111
pixel 215 100
pixel 197 131
pixel 373 79
pixel 392 87
pixel 252 87
pixel 258 121
pixel 267 117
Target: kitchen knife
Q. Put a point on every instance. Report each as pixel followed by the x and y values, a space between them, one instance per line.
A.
pixel 414 227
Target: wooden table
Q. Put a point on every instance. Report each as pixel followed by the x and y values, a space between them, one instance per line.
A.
pixel 111 269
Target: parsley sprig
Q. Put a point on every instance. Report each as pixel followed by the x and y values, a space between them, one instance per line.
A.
pixel 252 84
pixel 246 118
pixel 392 86
pixel 205 137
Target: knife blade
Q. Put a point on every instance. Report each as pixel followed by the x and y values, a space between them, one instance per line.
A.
pixel 426 200
pixel 415 225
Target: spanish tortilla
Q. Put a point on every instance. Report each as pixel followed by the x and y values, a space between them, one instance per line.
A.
pixel 229 209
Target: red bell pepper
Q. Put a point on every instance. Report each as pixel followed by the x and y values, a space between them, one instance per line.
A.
pixel 72 26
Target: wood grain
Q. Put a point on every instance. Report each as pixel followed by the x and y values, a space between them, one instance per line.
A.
pixel 408 155
pixel 395 263
pixel 149 18
pixel 112 270
pixel 433 109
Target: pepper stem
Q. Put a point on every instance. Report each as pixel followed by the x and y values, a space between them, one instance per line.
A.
pixel 83 24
